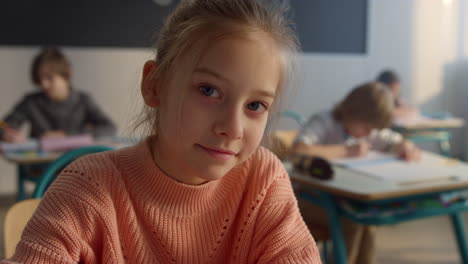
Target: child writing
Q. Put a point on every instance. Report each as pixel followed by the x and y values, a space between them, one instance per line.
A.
pixel 392 81
pixel 362 115
pixel 56 110
pixel 199 189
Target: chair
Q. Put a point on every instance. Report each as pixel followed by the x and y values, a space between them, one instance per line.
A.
pixel 15 221
pixel 54 168
pixel 282 141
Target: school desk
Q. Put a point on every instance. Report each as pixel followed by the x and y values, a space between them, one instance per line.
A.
pixel 37 160
pixel 351 185
pixel 429 129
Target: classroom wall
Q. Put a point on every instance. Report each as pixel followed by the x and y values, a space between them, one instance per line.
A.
pixel 326 78
pixel 429 59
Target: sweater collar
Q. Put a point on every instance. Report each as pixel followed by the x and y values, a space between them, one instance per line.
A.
pixel 151 184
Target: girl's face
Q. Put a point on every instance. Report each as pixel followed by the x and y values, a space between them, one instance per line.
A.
pixel 53 84
pixel 213 114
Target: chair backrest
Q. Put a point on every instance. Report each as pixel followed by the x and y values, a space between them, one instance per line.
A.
pixel 294 115
pixel 51 172
pixel 15 220
pixel 282 140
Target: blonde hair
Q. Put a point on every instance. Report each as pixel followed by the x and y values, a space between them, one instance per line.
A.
pixel 370 103
pixel 195 22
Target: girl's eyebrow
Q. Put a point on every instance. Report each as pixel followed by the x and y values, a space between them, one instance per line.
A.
pixel 215 74
pixel 208 71
pixel 266 93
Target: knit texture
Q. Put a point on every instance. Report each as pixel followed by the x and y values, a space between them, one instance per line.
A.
pixel 119 207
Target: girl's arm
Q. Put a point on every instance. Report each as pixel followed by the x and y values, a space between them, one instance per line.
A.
pixel 67 225
pixel 281 236
pixel 55 232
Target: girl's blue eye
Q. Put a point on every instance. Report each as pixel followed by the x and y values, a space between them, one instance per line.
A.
pixel 256 106
pixel 209 91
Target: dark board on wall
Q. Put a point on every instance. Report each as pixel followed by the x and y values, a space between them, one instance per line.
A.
pixel 331 25
pixel 323 25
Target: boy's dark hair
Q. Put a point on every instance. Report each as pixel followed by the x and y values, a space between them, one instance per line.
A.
pixel 371 103
pixel 54 58
pixel 388 77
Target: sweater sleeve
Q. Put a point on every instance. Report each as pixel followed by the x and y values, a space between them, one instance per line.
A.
pixel 281 235
pixel 67 226
pixel 54 234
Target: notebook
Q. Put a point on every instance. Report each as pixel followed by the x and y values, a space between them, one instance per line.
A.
pixel 66 143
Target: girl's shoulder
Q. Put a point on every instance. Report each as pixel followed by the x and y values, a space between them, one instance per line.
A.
pixel 267 178
pixel 264 165
pixel 92 176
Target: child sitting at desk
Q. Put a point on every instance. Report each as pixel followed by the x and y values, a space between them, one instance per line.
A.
pixel 392 81
pixel 199 189
pixel 355 125
pixel 58 109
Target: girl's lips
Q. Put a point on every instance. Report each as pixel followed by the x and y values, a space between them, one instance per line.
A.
pixel 217 153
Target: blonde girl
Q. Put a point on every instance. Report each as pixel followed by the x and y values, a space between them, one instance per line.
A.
pixel 199 189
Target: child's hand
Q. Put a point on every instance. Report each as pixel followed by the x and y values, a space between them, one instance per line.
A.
pixel 408 151
pixel 13 136
pixel 53 134
pixel 357 150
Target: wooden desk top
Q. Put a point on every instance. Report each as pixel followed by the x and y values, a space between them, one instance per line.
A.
pixel 32 157
pixel 36 157
pixel 429 124
pixel 350 183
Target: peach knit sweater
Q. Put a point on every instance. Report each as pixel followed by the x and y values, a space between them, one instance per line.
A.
pixel 119 207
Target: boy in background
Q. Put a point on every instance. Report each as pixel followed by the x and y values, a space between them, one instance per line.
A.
pixel 355 125
pixel 57 109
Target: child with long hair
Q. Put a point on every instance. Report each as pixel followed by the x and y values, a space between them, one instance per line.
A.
pixel 199 189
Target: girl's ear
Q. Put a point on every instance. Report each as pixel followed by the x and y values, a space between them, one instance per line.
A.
pixel 149 84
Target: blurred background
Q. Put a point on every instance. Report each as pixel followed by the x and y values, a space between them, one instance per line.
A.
pixel 344 44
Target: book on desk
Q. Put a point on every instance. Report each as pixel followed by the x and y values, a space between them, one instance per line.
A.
pixel 49 144
pixel 387 167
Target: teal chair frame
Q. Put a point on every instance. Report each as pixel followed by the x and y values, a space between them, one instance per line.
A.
pixel 334 212
pixel 294 115
pixel 51 172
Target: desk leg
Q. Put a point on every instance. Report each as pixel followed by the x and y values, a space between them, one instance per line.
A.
pixel 20 195
pixel 457 222
pixel 339 249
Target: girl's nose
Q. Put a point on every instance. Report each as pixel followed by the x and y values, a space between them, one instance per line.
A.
pixel 229 125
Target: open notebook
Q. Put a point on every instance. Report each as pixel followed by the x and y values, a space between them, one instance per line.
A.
pixel 387 167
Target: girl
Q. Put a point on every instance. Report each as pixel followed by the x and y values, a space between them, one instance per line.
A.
pixel 199 189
